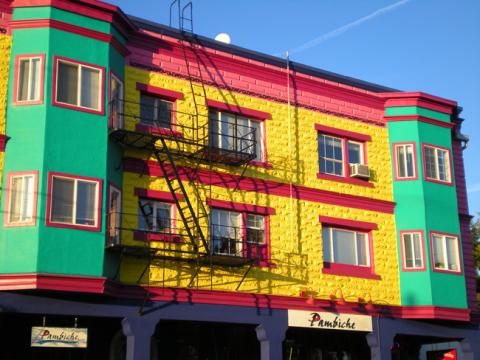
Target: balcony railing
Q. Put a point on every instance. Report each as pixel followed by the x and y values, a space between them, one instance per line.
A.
pixel 215 141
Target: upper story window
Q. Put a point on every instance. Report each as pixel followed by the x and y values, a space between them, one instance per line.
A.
pixel 116 102
pixel 78 85
pixel 446 252
pixel 155 111
pixel 342 155
pixel 74 201
pixel 114 214
pixel 155 216
pixel 412 250
pixel 237 133
pixel 21 199
pixel 345 246
pixel 437 164
pixel 404 161
pixel 28 83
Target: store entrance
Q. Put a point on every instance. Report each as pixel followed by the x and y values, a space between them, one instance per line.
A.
pixel 315 344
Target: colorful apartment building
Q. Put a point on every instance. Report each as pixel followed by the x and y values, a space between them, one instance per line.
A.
pixel 169 196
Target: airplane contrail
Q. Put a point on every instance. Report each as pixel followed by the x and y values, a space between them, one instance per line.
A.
pixel 344 28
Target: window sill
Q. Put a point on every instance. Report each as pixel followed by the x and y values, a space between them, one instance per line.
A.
pixel 444 271
pixel 345 179
pixel 349 270
pixel 449 183
pixel 261 164
pixel 78 108
pixel 73 226
pixel 27 102
pixel 19 224
pixel 155 130
pixel 150 236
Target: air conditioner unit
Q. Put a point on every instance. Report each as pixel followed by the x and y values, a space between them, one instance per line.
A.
pixel 359 171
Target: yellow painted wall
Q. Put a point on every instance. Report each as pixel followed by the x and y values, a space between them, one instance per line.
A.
pixel 295 231
pixel 5 46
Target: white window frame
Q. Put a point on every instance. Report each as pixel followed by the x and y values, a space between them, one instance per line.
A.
pixel 120 106
pixel 362 150
pixel 79 84
pixel 412 248
pixel 28 220
pixel 396 148
pixel 448 169
pixel 331 255
pixel 155 205
pixel 259 146
pixel 446 255
pixel 38 84
pixel 344 147
pixel 258 228
pixel 74 212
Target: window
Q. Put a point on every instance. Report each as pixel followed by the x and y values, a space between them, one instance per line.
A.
pixel 155 111
pixel 240 230
pixel 446 253
pixel 405 165
pixel 29 79
pixel 155 216
pixel 237 133
pixel 437 164
pixel 74 202
pixel 412 251
pixel 79 85
pixel 114 215
pixel 116 102
pixel 345 246
pixel 21 199
pixel 332 158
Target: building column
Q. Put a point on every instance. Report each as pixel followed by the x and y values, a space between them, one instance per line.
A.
pixel 380 342
pixel 271 341
pixel 138 331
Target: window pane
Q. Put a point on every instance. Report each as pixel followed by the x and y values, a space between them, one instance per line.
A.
pixel 27 201
pixel 145 215
pixel 409 156
pixel 35 80
pixel 23 79
pixel 417 249
pixel 326 244
pixel 86 198
pixel 438 253
pixel 62 200
pixel 408 248
pixel 443 165
pixel 344 247
pixel 16 199
pixel 90 90
pixel 452 253
pixel 147 109
pixel 401 161
pixel 163 113
pixel 67 83
pixel 362 249
pixel 226 232
pixel 430 167
pixel 163 217
pixel 354 153
pixel 255 229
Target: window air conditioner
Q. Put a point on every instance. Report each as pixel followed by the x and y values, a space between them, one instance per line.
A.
pixel 359 171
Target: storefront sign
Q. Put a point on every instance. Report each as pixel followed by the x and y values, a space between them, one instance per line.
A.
pixel 330 321
pixel 59 337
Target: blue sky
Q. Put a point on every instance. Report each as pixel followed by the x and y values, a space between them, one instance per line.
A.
pixel 412 45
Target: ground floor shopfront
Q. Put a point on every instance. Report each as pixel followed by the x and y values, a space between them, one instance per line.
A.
pixel 157 330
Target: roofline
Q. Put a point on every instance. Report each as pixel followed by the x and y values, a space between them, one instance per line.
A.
pixel 258 56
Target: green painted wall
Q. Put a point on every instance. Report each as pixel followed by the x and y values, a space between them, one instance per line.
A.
pixel 428 206
pixel 415 110
pixel 51 138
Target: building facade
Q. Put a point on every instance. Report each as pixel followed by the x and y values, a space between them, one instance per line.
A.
pixel 169 196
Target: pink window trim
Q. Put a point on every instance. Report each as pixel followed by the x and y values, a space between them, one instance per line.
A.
pixel 349 270
pixel 432 257
pixel 150 236
pixel 402 250
pixel 239 110
pixel 240 207
pixel 348 224
pixel 99 182
pixel 345 179
pixel 262 164
pixel 350 135
pixel 424 165
pixel 56 59
pixel 161 92
pixel 16 75
pixel 415 168
pixel 156 195
pixel 155 130
pixel 10 175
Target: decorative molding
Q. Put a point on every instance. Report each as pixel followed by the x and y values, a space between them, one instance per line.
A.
pixel 230 205
pixel 157 195
pixel 420 118
pixel 342 133
pixel 345 179
pixel 349 224
pixel 250 113
pixel 265 186
pixel 158 91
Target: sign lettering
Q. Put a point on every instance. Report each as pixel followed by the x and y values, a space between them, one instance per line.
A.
pixel 59 337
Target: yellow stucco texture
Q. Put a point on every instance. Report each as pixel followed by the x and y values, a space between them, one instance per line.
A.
pixel 295 230
pixel 5 46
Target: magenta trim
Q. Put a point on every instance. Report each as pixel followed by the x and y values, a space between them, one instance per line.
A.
pixel 349 270
pixel 342 133
pixel 251 113
pixel 150 236
pixel 262 164
pixel 230 205
pixel 156 195
pixel 349 224
pixel 164 93
pixel 345 179
pixel 156 130
pixel 423 119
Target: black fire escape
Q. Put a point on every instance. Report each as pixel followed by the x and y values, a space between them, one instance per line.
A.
pixel 181 143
